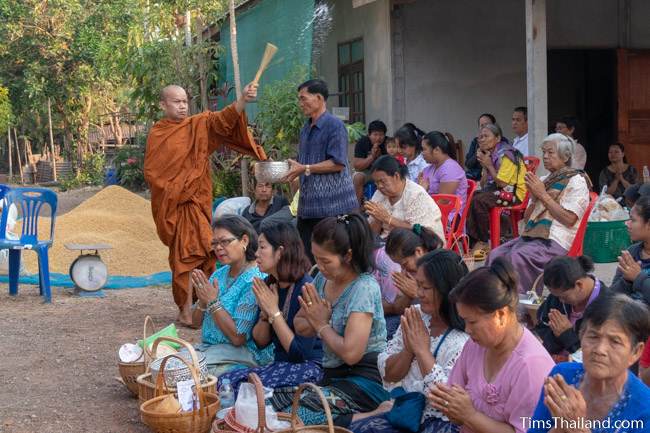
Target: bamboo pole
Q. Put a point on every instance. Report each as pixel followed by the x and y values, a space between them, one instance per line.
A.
pixel 20 163
pixel 49 120
pixel 238 91
pixel 11 170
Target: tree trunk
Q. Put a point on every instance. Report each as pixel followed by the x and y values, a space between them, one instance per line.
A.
pixel 201 60
pixel 20 164
pixel 11 169
pixel 49 121
pixel 235 63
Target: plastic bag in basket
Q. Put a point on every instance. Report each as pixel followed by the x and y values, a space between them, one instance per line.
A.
pixel 246 409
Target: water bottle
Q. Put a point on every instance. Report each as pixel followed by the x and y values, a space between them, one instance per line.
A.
pixel 226 394
pixel 646 174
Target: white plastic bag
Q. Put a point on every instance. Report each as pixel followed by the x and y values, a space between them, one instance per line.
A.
pixel 246 409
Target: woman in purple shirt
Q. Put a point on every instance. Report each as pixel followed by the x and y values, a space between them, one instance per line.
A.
pixel 444 175
pixel 497 379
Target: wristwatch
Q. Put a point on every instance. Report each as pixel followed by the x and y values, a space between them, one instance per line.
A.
pixel 307 170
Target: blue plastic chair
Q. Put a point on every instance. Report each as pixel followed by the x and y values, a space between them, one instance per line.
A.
pixel 29 202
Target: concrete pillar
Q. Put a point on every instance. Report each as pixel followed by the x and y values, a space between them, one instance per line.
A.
pixel 537 89
pixel 399 79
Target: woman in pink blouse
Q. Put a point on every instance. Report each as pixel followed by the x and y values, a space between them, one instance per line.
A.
pixel 496 382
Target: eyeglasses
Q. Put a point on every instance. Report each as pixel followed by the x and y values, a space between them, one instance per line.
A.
pixel 223 243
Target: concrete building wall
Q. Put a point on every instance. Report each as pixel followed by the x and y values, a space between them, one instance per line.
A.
pixel 459 58
pixel 462 58
pixel 372 23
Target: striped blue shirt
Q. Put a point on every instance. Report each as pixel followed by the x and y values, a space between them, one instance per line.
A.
pixel 331 194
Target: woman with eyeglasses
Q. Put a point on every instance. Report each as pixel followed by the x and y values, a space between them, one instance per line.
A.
pixel 226 309
pixel 573 287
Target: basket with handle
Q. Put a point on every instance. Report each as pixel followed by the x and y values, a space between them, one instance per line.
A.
pixel 196 421
pixel 129 371
pixel 146 384
pixel 229 423
pixel 297 428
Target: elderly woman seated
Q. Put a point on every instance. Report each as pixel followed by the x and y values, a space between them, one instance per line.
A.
pixel 503 173
pixel 600 394
pixel 397 203
pixel 558 202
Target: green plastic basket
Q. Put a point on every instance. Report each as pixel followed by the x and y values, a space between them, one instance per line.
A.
pixel 604 240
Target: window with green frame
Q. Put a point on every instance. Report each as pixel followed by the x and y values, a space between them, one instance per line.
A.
pixel 351 79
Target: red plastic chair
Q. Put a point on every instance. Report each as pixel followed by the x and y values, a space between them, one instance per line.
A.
pixel 576 246
pixel 448 203
pixel 459 233
pixel 516 211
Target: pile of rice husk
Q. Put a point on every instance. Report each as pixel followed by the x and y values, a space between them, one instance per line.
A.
pixel 113 216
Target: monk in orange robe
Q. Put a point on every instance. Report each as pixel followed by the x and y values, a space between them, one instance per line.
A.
pixel 178 171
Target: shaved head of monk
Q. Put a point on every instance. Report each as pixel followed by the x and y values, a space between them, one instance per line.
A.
pixel 173 102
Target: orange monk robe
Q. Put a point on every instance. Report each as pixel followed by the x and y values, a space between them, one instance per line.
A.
pixel 178 171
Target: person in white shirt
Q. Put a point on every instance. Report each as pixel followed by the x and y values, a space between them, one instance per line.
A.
pixel 567 125
pixel 520 128
pixel 409 140
pixel 550 224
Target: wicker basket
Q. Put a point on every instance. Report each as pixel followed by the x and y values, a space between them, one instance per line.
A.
pixel 147 386
pixel 196 421
pixel 230 425
pixel 129 371
pixel 297 428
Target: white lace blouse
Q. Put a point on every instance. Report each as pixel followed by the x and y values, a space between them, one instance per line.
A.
pixel 415 381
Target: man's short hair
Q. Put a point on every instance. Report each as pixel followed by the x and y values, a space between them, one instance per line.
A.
pixel 522 110
pixel 316 87
pixel 377 125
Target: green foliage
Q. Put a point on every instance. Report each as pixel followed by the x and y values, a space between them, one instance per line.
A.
pixel 129 164
pixel 225 183
pixel 5 110
pixel 355 131
pixel 279 117
pixel 91 173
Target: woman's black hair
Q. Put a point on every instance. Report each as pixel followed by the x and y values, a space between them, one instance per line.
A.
pixel 239 226
pixel 316 87
pixel 562 272
pixel 346 233
pixel 632 315
pixel 444 269
pixel 437 139
pixel 570 122
pixel 642 207
pixel 410 135
pixel 402 242
pixel 293 263
pixel 489 288
pixel 489 116
pixel 377 125
pixel 390 166
pixel 619 145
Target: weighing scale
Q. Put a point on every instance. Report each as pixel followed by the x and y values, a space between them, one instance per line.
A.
pixel 88 272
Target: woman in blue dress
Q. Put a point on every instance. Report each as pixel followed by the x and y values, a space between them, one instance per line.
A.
pixel 600 395
pixel 226 309
pixel 281 255
pixel 343 308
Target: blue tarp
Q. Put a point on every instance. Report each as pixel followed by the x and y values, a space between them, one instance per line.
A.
pixel 114 282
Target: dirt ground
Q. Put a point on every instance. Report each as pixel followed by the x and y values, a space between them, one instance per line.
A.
pixel 59 361
pixel 58 365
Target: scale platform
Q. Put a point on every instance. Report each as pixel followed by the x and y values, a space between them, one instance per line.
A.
pixel 88 272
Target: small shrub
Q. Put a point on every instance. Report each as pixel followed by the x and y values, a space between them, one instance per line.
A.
pixel 129 165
